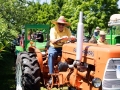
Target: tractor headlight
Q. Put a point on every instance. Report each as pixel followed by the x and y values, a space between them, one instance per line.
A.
pixel 96 82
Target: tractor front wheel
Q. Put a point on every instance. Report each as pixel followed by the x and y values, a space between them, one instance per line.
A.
pixel 27 72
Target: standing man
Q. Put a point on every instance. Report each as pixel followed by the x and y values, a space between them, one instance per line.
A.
pixel 59 34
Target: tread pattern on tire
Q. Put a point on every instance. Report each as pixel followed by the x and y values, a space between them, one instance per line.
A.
pixel 30 71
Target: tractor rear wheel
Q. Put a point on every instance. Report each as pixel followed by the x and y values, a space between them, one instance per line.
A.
pixel 27 72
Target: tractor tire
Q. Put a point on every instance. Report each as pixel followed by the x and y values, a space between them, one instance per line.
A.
pixel 27 72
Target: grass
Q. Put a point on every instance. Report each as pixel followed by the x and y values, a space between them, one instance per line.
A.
pixel 7 72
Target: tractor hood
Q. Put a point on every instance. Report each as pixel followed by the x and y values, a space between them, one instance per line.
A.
pixel 91 52
pixel 38 45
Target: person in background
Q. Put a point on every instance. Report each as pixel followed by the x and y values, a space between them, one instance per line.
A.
pixel 59 34
pixel 102 38
pixel 96 32
pixel 22 40
pixel 18 39
pixel 40 37
pixel 93 40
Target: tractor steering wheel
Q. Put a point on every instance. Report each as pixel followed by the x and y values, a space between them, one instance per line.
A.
pixel 59 43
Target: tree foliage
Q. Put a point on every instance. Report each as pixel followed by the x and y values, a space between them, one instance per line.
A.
pixel 16 13
pixel 96 12
pixel 6 34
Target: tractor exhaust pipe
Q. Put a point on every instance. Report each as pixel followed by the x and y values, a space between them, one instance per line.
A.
pixel 79 45
pixel 79 38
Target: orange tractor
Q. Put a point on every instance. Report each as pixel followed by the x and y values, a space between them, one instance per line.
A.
pixel 82 66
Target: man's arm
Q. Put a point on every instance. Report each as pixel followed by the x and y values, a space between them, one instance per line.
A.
pixel 70 35
pixel 53 35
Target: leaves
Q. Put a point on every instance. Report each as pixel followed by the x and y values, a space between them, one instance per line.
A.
pixel 16 13
pixel 96 12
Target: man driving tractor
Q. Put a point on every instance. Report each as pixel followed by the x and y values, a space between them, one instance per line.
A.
pixel 59 34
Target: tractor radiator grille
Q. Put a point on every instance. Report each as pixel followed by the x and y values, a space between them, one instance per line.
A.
pixel 110 80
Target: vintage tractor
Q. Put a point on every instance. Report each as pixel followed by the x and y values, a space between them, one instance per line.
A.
pixel 82 66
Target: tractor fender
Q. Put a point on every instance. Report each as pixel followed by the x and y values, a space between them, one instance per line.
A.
pixel 18 49
pixel 39 57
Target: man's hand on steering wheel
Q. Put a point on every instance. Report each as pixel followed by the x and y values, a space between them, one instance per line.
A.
pixel 69 39
pixel 72 38
pixel 58 41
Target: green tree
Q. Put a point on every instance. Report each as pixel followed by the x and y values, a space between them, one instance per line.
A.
pixel 6 35
pixel 14 12
pixel 17 13
pixel 58 3
pixel 96 12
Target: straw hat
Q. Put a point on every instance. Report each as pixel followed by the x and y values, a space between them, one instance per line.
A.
pixel 62 20
pixel 102 33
